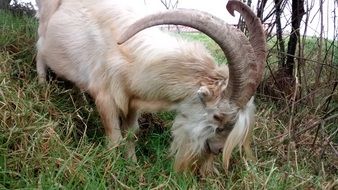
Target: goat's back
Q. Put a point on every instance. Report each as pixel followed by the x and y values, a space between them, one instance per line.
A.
pixel 80 39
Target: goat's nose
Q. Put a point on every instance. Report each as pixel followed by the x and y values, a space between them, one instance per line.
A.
pixel 214 148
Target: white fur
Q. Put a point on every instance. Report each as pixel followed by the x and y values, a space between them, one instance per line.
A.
pixel 152 71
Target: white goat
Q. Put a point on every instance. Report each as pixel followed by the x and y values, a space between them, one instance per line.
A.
pixel 153 71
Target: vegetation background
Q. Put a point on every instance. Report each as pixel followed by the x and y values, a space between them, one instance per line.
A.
pixel 51 135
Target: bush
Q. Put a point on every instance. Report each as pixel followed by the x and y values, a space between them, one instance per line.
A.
pixel 21 9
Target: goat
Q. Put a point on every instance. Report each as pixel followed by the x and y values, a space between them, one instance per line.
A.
pixel 100 46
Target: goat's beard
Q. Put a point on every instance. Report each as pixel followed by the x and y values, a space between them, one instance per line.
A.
pixel 188 157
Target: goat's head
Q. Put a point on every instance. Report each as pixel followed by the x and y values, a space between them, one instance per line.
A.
pixel 218 116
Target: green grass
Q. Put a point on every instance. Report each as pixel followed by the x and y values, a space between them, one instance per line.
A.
pixel 214 49
pixel 51 137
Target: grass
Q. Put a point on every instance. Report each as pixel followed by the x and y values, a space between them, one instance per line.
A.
pixel 51 137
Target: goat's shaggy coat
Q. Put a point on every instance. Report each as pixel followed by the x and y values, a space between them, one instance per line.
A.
pixel 152 71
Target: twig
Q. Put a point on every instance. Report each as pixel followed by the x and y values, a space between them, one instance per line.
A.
pixel 300 132
pixel 310 60
pixel 293 108
pixel 301 99
pixel 328 100
pixel 316 135
pixel 334 149
pixel 319 56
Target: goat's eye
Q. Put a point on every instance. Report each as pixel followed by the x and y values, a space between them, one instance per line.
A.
pixel 220 129
pixel 217 118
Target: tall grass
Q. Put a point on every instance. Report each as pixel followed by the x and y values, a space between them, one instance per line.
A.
pixel 51 137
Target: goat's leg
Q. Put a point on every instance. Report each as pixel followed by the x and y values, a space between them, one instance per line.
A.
pixel 109 116
pixel 41 68
pixel 130 127
pixel 130 124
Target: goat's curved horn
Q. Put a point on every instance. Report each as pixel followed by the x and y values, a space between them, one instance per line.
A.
pixel 235 45
pixel 256 35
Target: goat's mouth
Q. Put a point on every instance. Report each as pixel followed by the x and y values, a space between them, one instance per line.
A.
pixel 210 150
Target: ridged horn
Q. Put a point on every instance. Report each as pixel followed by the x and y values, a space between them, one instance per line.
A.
pixel 234 44
pixel 256 34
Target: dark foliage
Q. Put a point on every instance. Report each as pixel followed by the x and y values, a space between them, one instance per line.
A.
pixel 22 9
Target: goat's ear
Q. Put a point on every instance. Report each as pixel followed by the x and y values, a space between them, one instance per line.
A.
pixel 203 94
